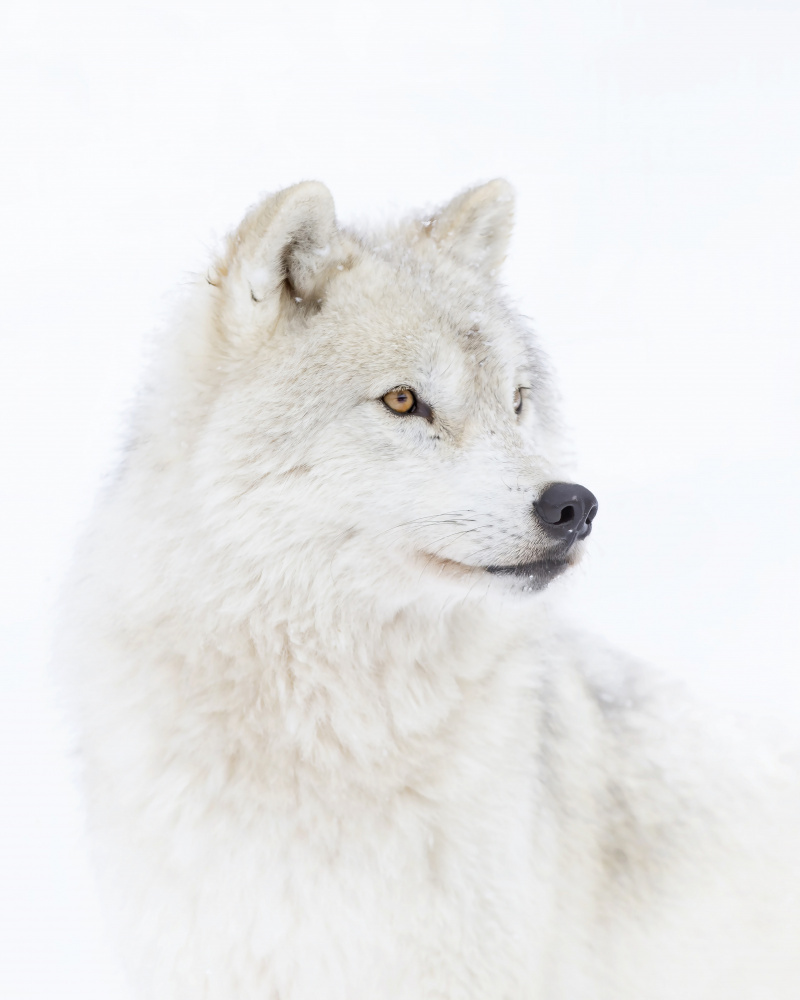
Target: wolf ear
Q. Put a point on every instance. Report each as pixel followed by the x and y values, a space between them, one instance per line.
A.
pixel 475 226
pixel 281 252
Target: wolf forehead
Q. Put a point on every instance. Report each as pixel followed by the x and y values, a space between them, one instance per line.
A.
pixel 400 316
pixel 422 293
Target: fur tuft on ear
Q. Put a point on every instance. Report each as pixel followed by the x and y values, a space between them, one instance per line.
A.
pixel 285 244
pixel 475 227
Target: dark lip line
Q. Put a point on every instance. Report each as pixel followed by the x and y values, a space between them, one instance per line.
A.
pixel 539 568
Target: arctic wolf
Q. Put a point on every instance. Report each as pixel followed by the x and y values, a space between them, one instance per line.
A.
pixel 335 746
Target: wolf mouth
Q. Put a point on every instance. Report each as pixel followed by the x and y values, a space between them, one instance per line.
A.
pixel 535 574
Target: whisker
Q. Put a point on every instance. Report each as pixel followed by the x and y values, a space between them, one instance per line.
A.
pixel 455 516
pixel 453 534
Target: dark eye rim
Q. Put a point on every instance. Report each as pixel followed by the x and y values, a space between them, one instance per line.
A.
pixel 419 409
pixel 521 389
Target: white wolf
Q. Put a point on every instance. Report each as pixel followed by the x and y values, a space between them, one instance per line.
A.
pixel 335 746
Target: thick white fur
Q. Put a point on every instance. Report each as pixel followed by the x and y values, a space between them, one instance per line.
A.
pixel 327 755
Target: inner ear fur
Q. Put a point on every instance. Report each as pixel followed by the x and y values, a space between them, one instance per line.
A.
pixel 286 243
pixel 475 227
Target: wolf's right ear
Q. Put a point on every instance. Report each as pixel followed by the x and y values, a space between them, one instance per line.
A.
pixel 279 255
pixel 475 227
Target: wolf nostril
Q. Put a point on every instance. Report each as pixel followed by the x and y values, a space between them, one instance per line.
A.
pixel 567 514
pixel 566 510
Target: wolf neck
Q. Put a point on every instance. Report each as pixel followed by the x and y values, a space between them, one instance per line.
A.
pixel 360 695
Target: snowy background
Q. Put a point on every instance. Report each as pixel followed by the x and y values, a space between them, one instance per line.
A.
pixel 655 149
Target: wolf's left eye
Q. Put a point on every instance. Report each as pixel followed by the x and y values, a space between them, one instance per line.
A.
pixel 518 399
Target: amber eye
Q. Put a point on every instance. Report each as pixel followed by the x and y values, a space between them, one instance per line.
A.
pixel 517 400
pixel 400 400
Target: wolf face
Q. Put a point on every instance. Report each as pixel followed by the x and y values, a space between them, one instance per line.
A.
pixel 363 407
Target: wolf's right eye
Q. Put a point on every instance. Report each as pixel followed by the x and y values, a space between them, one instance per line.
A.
pixel 405 401
pixel 400 400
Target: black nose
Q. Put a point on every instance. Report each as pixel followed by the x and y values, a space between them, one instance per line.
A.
pixel 567 511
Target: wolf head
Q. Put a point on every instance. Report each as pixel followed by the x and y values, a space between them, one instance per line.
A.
pixel 366 411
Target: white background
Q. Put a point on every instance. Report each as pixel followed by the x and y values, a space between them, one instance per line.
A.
pixel 655 147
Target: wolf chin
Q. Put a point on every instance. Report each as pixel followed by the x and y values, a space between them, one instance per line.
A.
pixel 335 745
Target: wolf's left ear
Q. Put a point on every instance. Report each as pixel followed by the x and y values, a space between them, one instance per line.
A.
pixel 475 227
pixel 279 256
